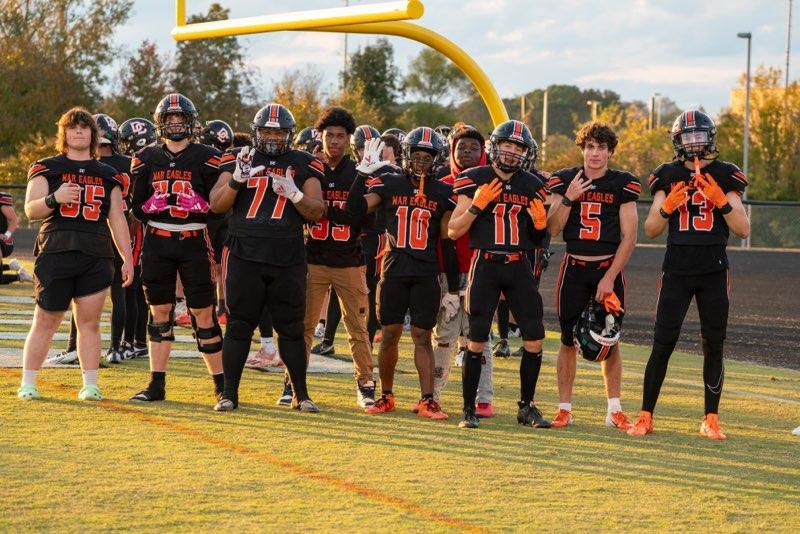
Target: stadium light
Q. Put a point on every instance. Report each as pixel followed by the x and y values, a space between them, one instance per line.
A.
pixel 746 143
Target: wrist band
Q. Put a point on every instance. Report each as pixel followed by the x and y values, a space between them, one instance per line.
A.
pixel 726 209
pixel 50 201
pixel 297 197
pixel 233 184
pixel 663 213
pixel 475 210
pixel 566 202
pixel 8 233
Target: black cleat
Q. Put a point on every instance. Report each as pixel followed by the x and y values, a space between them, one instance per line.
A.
pixel 323 349
pixel 501 349
pixel 150 394
pixel 225 405
pixel 529 415
pixel 286 397
pixel 469 420
pixel 306 406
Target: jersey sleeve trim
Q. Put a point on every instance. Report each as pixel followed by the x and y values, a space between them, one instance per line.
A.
pixel 374 183
pixel 462 184
pixel 37 169
pixel 6 199
pixel 213 162
pixel 741 178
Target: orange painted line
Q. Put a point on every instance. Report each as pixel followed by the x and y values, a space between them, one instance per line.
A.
pixel 352 487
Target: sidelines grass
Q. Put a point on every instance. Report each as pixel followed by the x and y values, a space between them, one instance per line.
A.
pixel 68 465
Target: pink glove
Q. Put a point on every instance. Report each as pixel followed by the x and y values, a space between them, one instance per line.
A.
pixel 156 203
pixel 193 203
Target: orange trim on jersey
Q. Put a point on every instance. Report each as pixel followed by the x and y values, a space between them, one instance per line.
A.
pixel 462 182
pixel 652 178
pixel 470 277
pixel 560 283
pixel 373 182
pixel 317 165
pixel 634 185
pixel 224 275
pixel 210 256
pixel 36 169
pixel 227 157
pixel 739 175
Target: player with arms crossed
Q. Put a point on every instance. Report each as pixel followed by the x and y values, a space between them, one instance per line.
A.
pixel 697 198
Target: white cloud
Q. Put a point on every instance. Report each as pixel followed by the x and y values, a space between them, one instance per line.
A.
pixel 665 75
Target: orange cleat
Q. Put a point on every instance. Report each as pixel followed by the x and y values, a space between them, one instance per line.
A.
pixel 563 418
pixel 383 405
pixel 618 420
pixel 430 408
pixel 709 427
pixel 643 425
pixel 417 406
pixel 484 410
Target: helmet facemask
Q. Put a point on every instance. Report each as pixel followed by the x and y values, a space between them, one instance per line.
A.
pixel 694 143
pixel 272 146
pixel 506 160
pixel 175 130
pixel 417 163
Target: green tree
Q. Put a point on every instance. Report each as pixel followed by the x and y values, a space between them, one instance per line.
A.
pixel 212 73
pixel 142 82
pixel 299 92
pixel 373 70
pixel 433 78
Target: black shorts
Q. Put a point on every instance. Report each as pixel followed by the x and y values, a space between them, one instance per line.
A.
pixel 489 276
pixel 251 288
pixel 576 285
pixel 62 276
pixel 712 292
pixel 217 234
pixel 421 295
pixel 163 258
pixel 6 249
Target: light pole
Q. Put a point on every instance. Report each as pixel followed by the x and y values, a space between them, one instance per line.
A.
pixel 544 127
pixel 788 46
pixel 651 111
pixel 593 104
pixel 746 141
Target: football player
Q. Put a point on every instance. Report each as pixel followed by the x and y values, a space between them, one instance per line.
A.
pixel 172 183
pixel 501 206
pixel 697 199
pixel 273 191
pixel 8 225
pixel 79 201
pixel 335 258
pixel 416 212
pixel 595 209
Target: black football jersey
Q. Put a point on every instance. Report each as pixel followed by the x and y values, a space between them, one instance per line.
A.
pixel 5 200
pixel 196 168
pixel 335 238
pixel 592 228
pixel 122 164
pixel 698 222
pixel 413 223
pixel 264 226
pixel 78 225
pixel 505 224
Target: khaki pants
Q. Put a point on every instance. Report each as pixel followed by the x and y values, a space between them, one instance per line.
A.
pixel 351 287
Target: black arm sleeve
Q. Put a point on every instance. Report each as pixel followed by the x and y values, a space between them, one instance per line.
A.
pixel 356 205
pixel 450 261
pixel 140 192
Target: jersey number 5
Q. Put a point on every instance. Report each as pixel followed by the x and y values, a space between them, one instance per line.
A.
pixel 92 200
pixel 590 221
pixel 413 233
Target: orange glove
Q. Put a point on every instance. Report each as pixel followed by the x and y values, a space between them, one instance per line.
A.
pixel 612 304
pixel 708 186
pixel 678 196
pixel 487 193
pixel 538 214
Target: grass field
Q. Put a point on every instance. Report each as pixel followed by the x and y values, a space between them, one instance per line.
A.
pixel 68 465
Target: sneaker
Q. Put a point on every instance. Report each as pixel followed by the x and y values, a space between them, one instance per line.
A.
pixel 151 394
pixel 796 431
pixel 90 392
pixel 484 410
pixel 618 420
pixel 501 349
pixel 319 331
pixel 225 405
pixel 262 360
pixel 514 331
pixel 430 408
pixel 417 406
pixel 709 427
pixel 126 350
pixel 140 351
pixel 462 351
pixel 286 397
pixel 222 318
pixel 563 418
pixel 365 394
pixel 28 392
pixel 183 319
pixel 24 276
pixel 519 351
pixel 306 406
pixel 64 358
pixel 468 420
pixel 180 307
pixel 643 425
pixel 114 356
pixel 383 405
pixel 323 349
pixel 529 415
pixel 407 323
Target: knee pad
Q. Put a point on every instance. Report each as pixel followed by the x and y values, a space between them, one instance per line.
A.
pixel 158 332
pixel 238 329
pixel 201 334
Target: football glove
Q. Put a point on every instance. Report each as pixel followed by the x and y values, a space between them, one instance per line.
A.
pixel 487 193
pixel 678 196
pixel 193 203
pixel 244 169
pixel 285 186
pixel 538 214
pixel 711 190
pixel 156 203
pixel 451 303
pixel 612 304
pixel 371 161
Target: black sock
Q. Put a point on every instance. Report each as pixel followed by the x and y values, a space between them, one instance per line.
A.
pixel 219 383
pixel 713 374
pixel 9 278
pixel 529 374
pixel 654 374
pixel 470 377
pixel 427 396
pixel 234 355
pixel 387 392
pixel 293 354
pixel 158 380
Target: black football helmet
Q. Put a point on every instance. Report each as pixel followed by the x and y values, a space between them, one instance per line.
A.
pixel 397 132
pixel 135 134
pixel 596 332
pixel 363 133
pixel 218 134
pixel 515 132
pixel 109 131
pixel 307 138
pixel 443 130
pixel 694 135
pixel 273 116
pixel 175 104
pixel 422 138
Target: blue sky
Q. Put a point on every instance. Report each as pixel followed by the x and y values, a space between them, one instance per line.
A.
pixel 685 49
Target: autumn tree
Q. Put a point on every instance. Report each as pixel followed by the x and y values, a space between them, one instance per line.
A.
pixel 142 82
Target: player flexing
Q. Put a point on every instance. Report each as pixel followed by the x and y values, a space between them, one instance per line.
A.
pixel 170 197
pixel 79 201
pixel 416 212
pixel 697 198
pixel 273 191
pixel 595 207
pixel 502 208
